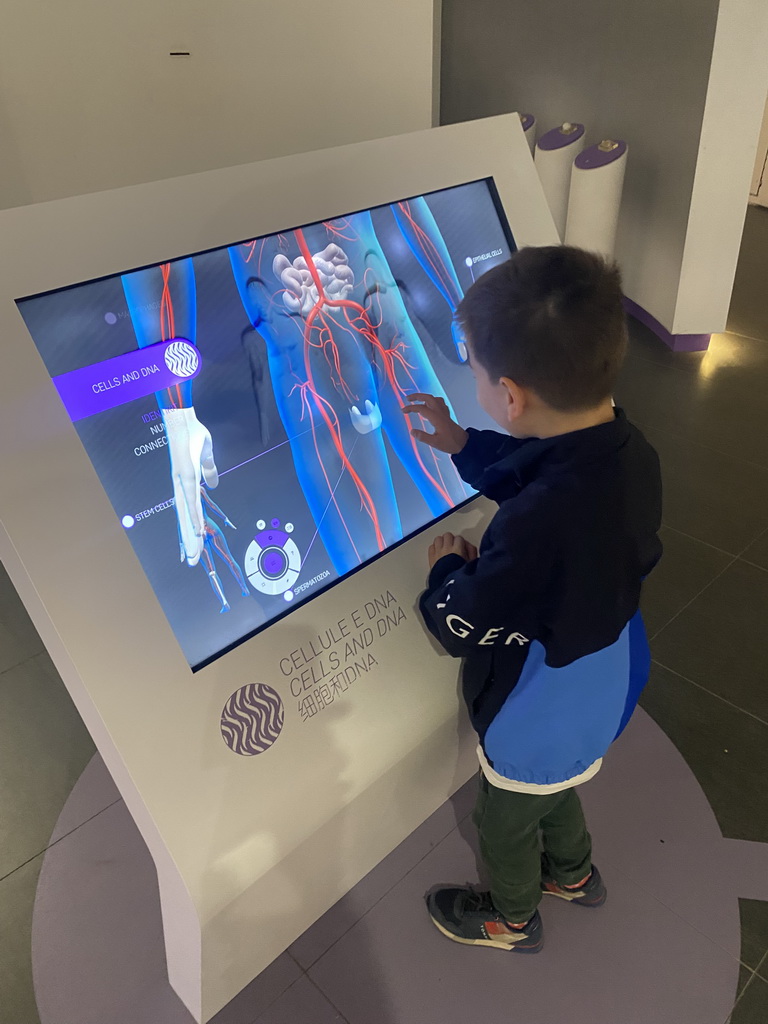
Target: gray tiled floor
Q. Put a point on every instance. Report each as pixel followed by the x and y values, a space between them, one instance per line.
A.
pixel 751 1007
pixel 698 405
pixel 17 895
pixel 706 608
pixel 757 552
pixel 18 637
pixel 727 748
pixel 43 749
pixel 303 1001
pixel 754 935
pixel 688 566
pixel 715 498
pixel 720 639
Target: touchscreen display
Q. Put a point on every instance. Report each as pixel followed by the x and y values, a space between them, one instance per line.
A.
pixel 242 406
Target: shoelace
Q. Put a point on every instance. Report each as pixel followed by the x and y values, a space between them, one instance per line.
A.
pixel 477 900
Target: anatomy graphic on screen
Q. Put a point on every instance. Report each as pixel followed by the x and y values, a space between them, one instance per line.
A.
pixel 343 354
pixel 243 407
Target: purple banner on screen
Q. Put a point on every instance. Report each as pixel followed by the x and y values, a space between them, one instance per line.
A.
pixel 141 372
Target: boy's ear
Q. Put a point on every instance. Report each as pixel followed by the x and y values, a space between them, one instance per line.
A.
pixel 516 398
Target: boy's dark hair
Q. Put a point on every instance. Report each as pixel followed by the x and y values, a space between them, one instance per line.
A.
pixel 552 319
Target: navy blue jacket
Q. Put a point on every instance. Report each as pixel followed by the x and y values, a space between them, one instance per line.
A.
pixel 547 617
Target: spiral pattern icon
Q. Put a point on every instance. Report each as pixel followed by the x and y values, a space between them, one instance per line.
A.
pixel 252 719
pixel 181 358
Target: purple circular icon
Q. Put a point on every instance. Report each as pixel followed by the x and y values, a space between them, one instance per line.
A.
pixel 273 562
pixel 275 523
pixel 252 719
pixel 110 318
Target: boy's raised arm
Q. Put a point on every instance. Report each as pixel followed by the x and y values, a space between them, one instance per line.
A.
pixel 483 449
pixel 472 451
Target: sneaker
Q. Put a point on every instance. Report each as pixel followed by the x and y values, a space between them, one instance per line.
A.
pixel 465 915
pixel 592 894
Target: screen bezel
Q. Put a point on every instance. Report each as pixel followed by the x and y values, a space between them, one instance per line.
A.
pixel 316 592
pixel 488 180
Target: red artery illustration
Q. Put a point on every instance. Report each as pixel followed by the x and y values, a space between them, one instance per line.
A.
pixel 317 334
pixel 168 328
pixel 432 256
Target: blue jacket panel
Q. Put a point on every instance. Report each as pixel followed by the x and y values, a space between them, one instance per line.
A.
pixel 556 722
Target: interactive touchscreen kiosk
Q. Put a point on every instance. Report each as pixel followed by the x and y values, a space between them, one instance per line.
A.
pixel 217 516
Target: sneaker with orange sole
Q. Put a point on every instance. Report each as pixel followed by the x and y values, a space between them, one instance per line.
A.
pixel 465 915
pixel 591 894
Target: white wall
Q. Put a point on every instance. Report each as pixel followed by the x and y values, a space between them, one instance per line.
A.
pixel 727 147
pixel 90 98
pixel 640 71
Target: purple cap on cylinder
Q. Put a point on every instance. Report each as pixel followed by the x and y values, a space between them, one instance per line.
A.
pixel 605 152
pixel 561 136
pixel 527 121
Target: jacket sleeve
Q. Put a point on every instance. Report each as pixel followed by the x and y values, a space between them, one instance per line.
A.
pixel 496 600
pixel 483 448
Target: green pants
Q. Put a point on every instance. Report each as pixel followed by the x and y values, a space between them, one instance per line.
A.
pixel 511 826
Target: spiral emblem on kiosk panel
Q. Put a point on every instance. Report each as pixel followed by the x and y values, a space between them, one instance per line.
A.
pixel 182 358
pixel 252 719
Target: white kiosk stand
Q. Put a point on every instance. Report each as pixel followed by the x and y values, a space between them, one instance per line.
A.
pixel 269 779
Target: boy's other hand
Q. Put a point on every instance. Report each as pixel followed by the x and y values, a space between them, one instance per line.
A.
pixel 448 544
pixel 448 436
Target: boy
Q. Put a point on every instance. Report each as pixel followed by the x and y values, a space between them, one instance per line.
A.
pixel 546 614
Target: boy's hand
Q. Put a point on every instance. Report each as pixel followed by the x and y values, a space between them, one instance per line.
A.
pixel 448 436
pixel 448 544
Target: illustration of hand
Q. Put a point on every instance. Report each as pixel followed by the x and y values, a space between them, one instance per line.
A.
pixel 191 452
pixel 215 543
pixel 448 436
